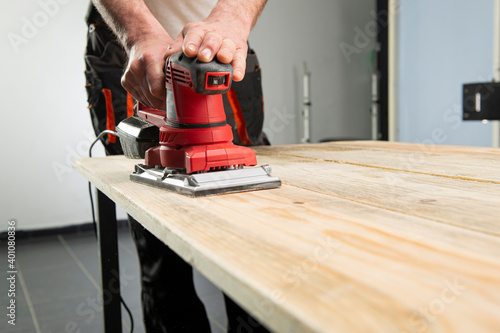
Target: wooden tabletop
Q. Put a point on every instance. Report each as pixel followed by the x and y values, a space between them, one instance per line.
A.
pixel 361 237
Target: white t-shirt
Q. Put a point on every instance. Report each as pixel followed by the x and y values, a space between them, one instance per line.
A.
pixel 174 14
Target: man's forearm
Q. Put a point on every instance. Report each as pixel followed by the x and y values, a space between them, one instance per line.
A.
pixel 131 21
pixel 239 12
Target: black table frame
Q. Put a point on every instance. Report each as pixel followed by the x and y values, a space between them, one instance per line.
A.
pixel 107 235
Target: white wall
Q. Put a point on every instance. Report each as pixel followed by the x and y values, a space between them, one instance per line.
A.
pixel 46 123
pixel 290 32
pixel 442 45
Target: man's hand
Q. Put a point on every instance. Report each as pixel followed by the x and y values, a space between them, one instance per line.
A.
pixel 224 34
pixel 144 78
pixel 216 40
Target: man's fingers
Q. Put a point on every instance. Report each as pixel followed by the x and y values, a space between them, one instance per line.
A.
pixel 168 52
pixel 192 40
pixel 214 40
pixel 144 77
pixel 176 46
pixel 130 84
pixel 200 43
pixel 136 93
pixel 153 93
pixel 145 86
pixel 227 51
pixel 239 64
pixel 154 80
pixel 210 46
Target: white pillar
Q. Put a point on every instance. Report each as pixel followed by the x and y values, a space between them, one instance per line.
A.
pixel 393 70
pixel 496 68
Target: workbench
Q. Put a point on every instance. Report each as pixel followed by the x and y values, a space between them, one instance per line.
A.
pixel 362 236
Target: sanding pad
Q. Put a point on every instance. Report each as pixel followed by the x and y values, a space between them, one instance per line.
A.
pixel 207 183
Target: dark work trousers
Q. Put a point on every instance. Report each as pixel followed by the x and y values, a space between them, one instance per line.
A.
pixel 169 300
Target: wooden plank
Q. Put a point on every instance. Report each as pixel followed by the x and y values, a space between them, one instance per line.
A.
pixel 469 163
pixel 469 204
pixel 412 147
pixel 309 260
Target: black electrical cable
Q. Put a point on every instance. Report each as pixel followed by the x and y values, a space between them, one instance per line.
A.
pixel 90 184
pixel 92 208
pixel 94 221
pixel 129 314
pixel 99 137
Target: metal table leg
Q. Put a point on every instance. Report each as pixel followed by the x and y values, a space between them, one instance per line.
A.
pixel 110 272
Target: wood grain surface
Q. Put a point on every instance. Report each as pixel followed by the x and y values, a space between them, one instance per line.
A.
pixel 361 237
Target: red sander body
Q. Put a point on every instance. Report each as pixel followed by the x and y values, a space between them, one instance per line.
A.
pixel 188 147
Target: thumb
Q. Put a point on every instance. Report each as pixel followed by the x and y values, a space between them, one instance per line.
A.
pixel 175 47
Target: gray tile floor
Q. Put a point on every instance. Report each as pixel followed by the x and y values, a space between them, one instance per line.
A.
pixel 58 281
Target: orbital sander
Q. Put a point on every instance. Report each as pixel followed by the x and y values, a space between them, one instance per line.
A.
pixel 188 148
